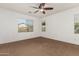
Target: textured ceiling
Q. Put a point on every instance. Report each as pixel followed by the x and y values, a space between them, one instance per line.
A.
pixel 26 8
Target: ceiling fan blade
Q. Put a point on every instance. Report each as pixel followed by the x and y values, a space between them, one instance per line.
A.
pixel 36 11
pixel 48 8
pixel 41 5
pixel 43 12
pixel 35 7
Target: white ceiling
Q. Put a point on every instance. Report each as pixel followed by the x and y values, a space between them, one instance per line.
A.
pixel 26 8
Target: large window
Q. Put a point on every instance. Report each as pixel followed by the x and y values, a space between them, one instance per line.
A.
pixel 25 25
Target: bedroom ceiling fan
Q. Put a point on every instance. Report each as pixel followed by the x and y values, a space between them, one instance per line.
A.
pixel 42 8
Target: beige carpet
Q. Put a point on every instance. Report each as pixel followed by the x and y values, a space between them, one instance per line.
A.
pixel 39 47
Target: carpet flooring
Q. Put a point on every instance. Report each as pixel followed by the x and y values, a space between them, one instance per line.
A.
pixel 39 47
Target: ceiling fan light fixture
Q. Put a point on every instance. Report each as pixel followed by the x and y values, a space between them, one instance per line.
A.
pixel 41 10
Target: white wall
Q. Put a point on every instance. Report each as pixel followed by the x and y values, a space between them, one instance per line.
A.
pixel 60 26
pixel 8 27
